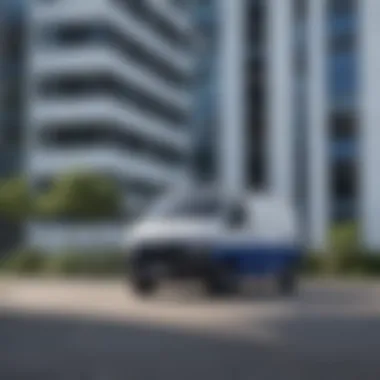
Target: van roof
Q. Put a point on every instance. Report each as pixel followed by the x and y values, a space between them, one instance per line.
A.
pixel 187 192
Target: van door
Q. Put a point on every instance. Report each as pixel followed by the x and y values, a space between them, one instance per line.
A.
pixel 238 224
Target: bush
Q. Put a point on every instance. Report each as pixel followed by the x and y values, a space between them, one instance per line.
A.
pixel 83 196
pixel 77 195
pixel 371 265
pixel 86 264
pixel 313 264
pixel 66 264
pixel 345 254
pixel 15 199
pixel 23 262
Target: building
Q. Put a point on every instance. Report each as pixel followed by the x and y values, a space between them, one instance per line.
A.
pixel 108 90
pixel 12 74
pixel 297 106
pixel 205 19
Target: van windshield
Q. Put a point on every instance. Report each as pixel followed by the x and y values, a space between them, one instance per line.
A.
pixel 193 207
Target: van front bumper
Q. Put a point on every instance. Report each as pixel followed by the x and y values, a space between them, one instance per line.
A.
pixel 171 259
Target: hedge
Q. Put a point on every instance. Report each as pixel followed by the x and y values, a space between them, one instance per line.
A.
pixel 345 257
pixel 352 263
pixel 23 262
pixel 114 264
pixel 66 263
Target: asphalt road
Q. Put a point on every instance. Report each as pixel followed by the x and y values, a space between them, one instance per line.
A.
pixel 97 330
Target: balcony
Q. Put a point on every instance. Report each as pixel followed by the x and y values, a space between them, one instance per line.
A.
pixel 180 20
pixel 76 60
pixel 47 161
pixel 132 73
pixel 97 108
pixel 121 19
pixel 103 59
pixel 68 10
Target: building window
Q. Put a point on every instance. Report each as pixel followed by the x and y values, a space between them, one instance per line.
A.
pixel 68 86
pixel 135 52
pixel 70 136
pixel 157 23
pixel 72 35
pixel 343 78
pixel 343 125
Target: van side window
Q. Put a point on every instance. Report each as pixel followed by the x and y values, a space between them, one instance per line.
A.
pixel 237 216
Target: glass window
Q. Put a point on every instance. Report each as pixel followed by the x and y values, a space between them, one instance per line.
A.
pixel 69 136
pixel 343 125
pixel 208 206
pixel 237 216
pixel 156 22
pixel 67 86
pixel 73 34
pixel 343 69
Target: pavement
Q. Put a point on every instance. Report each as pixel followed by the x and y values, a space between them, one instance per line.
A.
pixel 67 330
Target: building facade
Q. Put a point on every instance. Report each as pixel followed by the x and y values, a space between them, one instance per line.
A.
pixel 297 104
pixel 108 91
pixel 205 116
pixel 12 75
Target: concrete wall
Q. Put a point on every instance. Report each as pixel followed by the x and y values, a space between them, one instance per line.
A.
pixel 231 92
pixel 58 237
pixel 370 122
pixel 280 116
pixel 318 208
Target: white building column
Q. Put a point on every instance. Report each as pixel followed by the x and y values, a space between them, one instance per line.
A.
pixel 280 78
pixel 369 14
pixel 231 95
pixel 318 174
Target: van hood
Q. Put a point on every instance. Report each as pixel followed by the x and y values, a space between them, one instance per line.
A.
pixel 173 230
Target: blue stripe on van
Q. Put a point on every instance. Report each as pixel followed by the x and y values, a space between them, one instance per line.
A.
pixel 257 260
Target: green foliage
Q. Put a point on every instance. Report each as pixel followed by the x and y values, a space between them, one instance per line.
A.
pixel 345 254
pixel 344 237
pixel 23 262
pixel 345 258
pixel 65 264
pixel 104 264
pixel 371 265
pixel 83 196
pixel 86 264
pixel 15 199
pixel 313 264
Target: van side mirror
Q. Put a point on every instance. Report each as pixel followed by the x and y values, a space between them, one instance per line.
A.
pixel 236 217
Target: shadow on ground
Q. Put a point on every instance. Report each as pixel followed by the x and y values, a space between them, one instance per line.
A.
pixel 42 347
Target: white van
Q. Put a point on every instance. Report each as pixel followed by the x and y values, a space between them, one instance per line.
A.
pixel 219 240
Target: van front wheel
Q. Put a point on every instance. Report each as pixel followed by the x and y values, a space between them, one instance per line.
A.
pixel 143 281
pixel 221 280
pixel 287 282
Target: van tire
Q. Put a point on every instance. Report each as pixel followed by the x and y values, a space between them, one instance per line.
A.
pixel 143 283
pixel 144 286
pixel 287 282
pixel 220 280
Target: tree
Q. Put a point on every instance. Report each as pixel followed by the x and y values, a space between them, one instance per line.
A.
pixel 85 196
